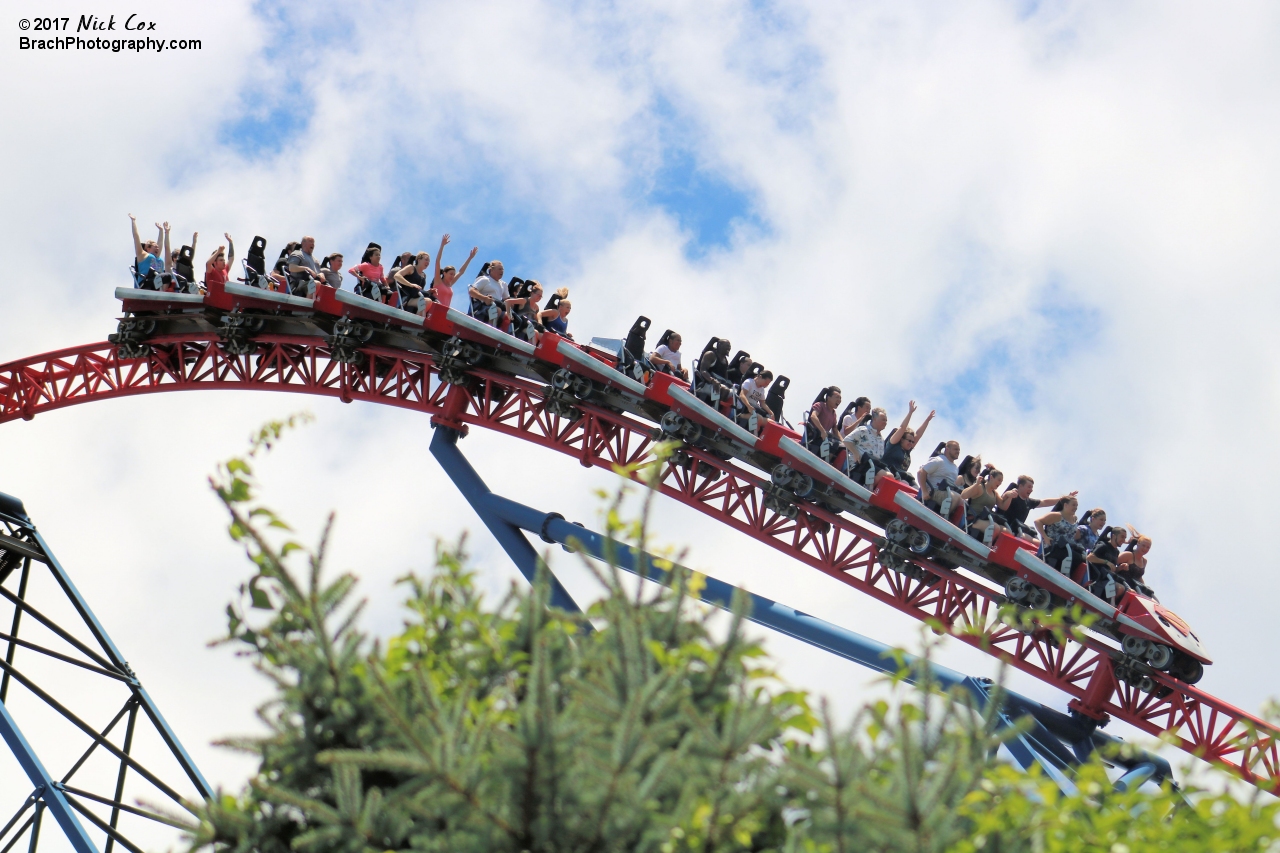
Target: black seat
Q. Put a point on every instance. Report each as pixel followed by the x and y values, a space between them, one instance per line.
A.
pixel 255 263
pixel 777 396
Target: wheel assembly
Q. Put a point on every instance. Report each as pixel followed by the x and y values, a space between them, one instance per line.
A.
pixel 1039 598
pixel 1187 669
pixel 1134 647
pixel 781 476
pixel 1017 588
pixel 919 542
pixel 1159 655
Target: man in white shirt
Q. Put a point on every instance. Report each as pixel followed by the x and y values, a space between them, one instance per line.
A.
pixel 752 393
pixel 667 357
pixel 491 291
pixel 939 475
pixel 866 445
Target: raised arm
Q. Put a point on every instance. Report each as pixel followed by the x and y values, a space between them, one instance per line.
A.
pixel 896 435
pixel 924 426
pixel 231 250
pixel 168 253
pixel 138 254
pixel 462 271
pixel 401 280
pixel 444 241
pixel 1046 519
pixel 195 235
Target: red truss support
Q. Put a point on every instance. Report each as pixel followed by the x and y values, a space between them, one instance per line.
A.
pixel 840 547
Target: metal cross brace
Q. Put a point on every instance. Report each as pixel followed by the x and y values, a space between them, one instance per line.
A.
pixel 1049 738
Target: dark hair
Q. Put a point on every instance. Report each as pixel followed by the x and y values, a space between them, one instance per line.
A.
pixel 766 374
pixel 965 465
pixel 825 394
pixel 288 248
pixel 1062 501
pixel 368 253
pixel 328 259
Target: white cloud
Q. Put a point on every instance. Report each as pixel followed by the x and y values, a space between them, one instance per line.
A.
pixel 942 190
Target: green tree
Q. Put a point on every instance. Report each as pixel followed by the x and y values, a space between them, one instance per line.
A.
pixel 515 726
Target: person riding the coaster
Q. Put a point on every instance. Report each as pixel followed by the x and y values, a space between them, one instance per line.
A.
pixel 1104 564
pixel 898 447
pixel 489 294
pixel 149 257
pixel 981 500
pixel 865 445
pixel 752 393
pixel 857 413
pixel 712 373
pixel 411 280
pixel 304 271
pixel 525 310
pixel 442 282
pixel 1061 544
pixel 1016 504
pixel 1091 524
pixel 218 267
pixel 1133 563
pixel 555 318
pixel 370 277
pixel 822 436
pixel 667 356
pixel 938 476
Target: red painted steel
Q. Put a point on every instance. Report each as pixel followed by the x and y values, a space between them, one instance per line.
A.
pixel 840 547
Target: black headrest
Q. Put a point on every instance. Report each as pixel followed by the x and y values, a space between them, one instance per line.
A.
pixel 777 395
pixel 11 506
pixel 553 302
pixel 635 338
pixel 183 265
pixel 518 288
pixel 256 258
pixel 484 270
pixel 712 345
pixel 666 338
pixel 737 359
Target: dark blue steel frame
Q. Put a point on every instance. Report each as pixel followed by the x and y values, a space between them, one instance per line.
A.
pixel 1049 738
pixel 63 801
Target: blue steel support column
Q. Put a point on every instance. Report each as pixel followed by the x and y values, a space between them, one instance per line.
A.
pixel 149 707
pixel 1041 743
pixel 444 447
pixel 46 786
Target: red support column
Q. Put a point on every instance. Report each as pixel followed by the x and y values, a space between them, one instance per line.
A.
pixel 1101 687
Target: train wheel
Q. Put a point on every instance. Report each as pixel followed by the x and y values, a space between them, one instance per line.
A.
pixel 1145 683
pixel 1016 588
pixel 1188 670
pixel 781 476
pixel 1159 655
pixel 1135 647
pixel 918 542
pixel 802 485
pixel 896 530
pixel 1038 598
pixel 671 423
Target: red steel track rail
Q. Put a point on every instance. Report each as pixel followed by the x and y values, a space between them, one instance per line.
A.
pixel 842 548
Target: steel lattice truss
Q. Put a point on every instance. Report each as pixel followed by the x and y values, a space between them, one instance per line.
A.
pixel 842 548
pixel 101 756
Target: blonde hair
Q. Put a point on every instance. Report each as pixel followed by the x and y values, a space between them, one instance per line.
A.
pixel 1138 537
pixel 562 292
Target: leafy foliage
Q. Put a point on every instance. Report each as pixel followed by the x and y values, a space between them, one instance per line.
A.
pixel 514 726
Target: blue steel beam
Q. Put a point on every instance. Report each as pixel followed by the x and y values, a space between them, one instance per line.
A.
pixel 47 788
pixel 1041 742
pixel 444 447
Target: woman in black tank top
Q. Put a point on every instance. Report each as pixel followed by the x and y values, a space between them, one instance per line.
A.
pixel 410 281
pixel 899 444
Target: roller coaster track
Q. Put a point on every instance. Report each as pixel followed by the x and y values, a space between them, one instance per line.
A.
pixel 843 548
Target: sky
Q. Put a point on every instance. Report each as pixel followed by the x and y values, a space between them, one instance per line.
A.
pixel 1052 222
